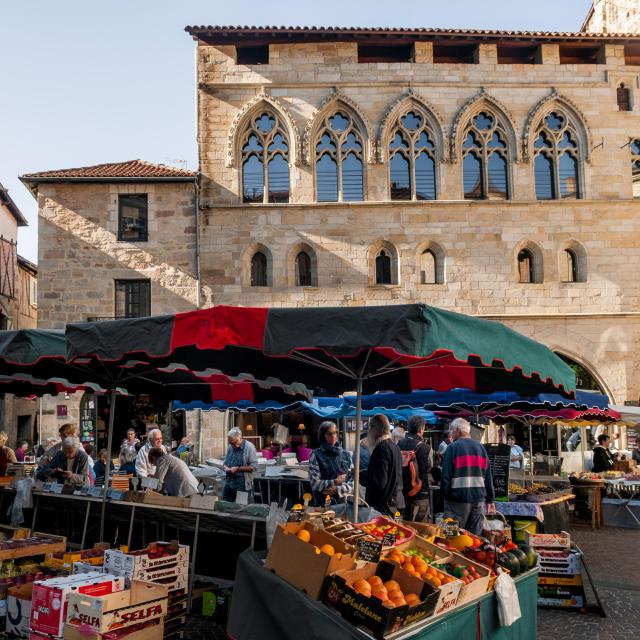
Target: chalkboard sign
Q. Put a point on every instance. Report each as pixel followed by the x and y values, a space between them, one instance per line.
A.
pixel 295 515
pixel 369 550
pixel 389 539
pixel 499 457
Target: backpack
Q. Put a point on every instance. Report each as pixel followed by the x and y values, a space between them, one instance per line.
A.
pixel 411 482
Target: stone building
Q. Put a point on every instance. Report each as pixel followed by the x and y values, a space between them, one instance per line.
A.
pixel 18 310
pixel 486 172
pixel 613 16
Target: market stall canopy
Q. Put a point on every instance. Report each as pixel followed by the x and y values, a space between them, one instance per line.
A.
pixel 629 415
pixel 326 408
pixel 399 347
pixel 461 400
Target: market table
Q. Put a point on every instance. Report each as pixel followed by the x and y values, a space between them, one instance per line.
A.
pixel 552 514
pixel 265 606
pixel 181 517
pixel 632 487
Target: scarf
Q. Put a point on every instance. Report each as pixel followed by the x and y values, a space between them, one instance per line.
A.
pixel 333 461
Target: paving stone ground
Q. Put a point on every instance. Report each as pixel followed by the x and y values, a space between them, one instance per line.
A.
pixel 613 558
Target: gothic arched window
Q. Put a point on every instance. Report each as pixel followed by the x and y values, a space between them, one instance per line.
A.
pixel 339 160
pixel 484 159
pixel 556 157
pixel 525 266
pixel 303 270
pixel 265 160
pixel 383 267
pixel 412 163
pixel 259 273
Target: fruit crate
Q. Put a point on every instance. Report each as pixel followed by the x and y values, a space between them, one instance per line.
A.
pixel 383 521
pixel 94 557
pixel 156 556
pixel 37 545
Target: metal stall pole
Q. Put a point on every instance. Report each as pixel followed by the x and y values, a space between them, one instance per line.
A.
pixel 107 470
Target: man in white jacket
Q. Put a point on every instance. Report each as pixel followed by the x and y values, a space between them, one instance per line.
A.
pixel 144 468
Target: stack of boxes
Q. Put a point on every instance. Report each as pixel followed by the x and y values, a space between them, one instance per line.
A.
pixel 560 578
pixel 160 563
pixel 49 601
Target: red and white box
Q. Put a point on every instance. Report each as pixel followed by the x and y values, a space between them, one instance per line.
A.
pixel 136 564
pixel 50 598
pixel 144 602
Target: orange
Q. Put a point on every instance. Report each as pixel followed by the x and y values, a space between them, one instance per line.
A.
pixel 435 581
pixel 416 560
pixel 375 581
pixel 412 599
pixel 362 587
pixel 391 585
pixel 328 549
pixel 380 593
pixel 317 550
pixel 394 594
pixel 304 535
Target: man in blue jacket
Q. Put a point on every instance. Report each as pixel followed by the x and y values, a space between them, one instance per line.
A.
pixel 466 483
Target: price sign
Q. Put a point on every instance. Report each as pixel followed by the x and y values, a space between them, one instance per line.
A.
pixel 500 457
pixel 369 550
pixel 57 488
pixel 389 539
pixel 115 494
pixel 48 486
pixel 295 515
pixel 450 528
pixel 95 492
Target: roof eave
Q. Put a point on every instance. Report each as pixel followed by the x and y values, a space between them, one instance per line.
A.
pixel 7 201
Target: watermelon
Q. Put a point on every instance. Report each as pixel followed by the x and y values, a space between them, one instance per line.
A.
pixel 522 559
pixel 532 556
pixel 510 562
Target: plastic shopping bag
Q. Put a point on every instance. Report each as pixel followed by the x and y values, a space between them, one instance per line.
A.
pixel 277 515
pixel 508 601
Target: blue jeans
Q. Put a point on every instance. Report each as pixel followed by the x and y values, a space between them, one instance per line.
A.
pixel 231 488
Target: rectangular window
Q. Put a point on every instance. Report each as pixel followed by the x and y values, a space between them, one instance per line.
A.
pixel 632 54
pixel 133 298
pixel 455 53
pixel 623 96
pixel 571 54
pixel 252 55
pixel 133 216
pixel 385 53
pixel 518 54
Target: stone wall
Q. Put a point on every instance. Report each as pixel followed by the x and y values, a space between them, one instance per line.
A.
pixel 595 322
pixel 79 255
pixel 613 16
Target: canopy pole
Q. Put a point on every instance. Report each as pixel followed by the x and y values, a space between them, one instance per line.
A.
pixel 531 462
pixel 356 464
pixel 107 471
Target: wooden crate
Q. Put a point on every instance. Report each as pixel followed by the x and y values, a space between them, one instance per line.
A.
pixel 152 497
pixel 60 544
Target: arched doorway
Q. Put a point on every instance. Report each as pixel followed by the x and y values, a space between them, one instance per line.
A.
pixel 585 379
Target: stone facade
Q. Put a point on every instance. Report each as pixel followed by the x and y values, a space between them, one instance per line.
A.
pixel 80 257
pixel 595 322
pixel 613 16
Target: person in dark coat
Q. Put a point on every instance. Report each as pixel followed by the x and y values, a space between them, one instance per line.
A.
pixel 602 457
pixel 69 466
pixel 384 475
pixel 417 509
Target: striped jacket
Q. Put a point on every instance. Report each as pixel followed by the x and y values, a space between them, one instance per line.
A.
pixel 466 473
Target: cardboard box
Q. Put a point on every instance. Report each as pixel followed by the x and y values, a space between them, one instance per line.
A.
pixel 155 575
pixel 564 581
pixel 69 557
pixel 174 583
pixel 36 547
pixel 19 610
pixel 130 564
pixel 298 563
pixel 449 593
pixel 370 613
pixel 153 631
pixel 144 601
pixel 50 598
pixel 479 586
pixel 207 502
pixel 575 602
pixel 152 497
pixel 549 540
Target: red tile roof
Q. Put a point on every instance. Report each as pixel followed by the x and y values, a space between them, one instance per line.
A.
pixel 7 201
pixel 131 169
pixel 253 35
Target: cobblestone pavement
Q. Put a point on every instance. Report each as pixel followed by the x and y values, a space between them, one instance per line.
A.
pixel 614 562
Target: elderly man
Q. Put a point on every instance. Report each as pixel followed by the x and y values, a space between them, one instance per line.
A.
pixel 174 476
pixel 466 482
pixel 69 466
pixel 240 465
pixel 144 468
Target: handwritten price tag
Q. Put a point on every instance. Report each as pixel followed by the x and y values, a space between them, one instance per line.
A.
pixel 389 539
pixel 369 550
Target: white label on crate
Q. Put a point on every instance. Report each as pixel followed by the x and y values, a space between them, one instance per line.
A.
pixel 242 497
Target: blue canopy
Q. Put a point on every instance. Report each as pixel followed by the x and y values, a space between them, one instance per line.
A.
pixel 328 408
pixel 469 400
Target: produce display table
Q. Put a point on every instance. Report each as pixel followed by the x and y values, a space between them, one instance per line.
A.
pixel 536 510
pixel 196 520
pixel 265 606
pixel 632 489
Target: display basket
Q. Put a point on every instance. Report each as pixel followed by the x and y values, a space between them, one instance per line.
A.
pixel 497 536
pixel 409 533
